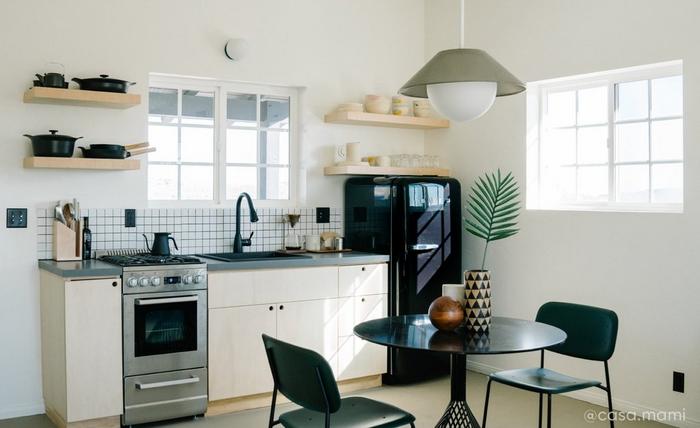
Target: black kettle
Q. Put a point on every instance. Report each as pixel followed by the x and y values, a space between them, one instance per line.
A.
pixel 52 80
pixel 161 243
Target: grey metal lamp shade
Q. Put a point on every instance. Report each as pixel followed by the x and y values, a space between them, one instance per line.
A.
pixel 462 65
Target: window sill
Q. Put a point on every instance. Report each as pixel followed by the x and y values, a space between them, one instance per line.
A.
pixel 614 208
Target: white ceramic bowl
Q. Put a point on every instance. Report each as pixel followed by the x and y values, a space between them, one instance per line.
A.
pixel 377 104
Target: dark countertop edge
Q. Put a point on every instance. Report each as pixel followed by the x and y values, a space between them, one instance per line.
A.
pixel 96 268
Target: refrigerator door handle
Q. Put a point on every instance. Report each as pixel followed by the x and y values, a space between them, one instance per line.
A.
pixel 422 248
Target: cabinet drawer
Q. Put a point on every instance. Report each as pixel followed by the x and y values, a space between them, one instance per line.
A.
pixel 232 288
pixel 362 280
pixel 291 285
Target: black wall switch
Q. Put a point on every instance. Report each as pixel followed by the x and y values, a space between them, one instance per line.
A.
pixel 129 217
pixel 323 215
pixel 16 218
pixel 679 381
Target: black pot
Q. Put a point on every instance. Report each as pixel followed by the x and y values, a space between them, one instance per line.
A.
pixel 104 84
pixel 53 144
pixel 51 80
pixel 105 151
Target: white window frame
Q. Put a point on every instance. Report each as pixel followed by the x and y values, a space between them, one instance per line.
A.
pixel 537 107
pixel 220 89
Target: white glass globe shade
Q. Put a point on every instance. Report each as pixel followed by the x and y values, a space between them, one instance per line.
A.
pixel 462 101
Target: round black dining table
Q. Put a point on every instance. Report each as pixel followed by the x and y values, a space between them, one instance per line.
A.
pixel 505 336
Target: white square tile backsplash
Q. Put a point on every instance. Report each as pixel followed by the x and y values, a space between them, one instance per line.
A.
pixel 195 230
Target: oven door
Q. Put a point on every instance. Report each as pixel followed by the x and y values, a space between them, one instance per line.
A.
pixel 165 331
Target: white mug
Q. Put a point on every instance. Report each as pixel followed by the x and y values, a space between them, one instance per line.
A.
pixel 313 242
pixel 455 291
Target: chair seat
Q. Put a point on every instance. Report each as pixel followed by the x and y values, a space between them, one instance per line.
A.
pixel 356 412
pixel 542 380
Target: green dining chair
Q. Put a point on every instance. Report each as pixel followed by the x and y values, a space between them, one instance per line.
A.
pixel 591 334
pixel 306 379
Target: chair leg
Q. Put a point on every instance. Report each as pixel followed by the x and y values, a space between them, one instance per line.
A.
pixel 486 404
pixel 609 391
pixel 272 423
pixel 539 420
pixel 413 425
pixel 549 410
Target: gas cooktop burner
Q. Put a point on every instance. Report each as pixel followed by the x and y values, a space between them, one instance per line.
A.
pixel 150 260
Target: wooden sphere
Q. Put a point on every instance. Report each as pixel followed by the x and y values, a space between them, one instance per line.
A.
pixel 446 314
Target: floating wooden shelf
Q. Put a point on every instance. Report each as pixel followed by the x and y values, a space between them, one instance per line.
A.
pixel 387 120
pixel 82 163
pixel 78 97
pixel 379 170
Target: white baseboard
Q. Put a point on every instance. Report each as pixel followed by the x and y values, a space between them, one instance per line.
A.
pixel 593 396
pixel 22 410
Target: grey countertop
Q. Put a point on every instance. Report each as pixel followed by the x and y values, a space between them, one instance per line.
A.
pixel 96 268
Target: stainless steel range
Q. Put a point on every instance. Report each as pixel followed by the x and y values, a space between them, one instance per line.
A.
pixel 165 337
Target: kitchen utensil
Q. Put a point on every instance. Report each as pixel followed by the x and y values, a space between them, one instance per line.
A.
pixel 51 80
pixel 313 242
pixel 377 104
pixel 105 153
pixel 58 213
pixel 53 144
pixel 104 84
pixel 69 214
pixel 143 145
pixel 143 151
pixel 161 243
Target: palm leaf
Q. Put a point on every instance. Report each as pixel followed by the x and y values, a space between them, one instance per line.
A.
pixel 493 207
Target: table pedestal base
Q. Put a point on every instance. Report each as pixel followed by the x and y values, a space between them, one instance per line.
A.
pixel 457 415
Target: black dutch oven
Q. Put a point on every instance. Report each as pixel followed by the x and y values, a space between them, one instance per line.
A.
pixel 105 151
pixel 103 83
pixel 53 144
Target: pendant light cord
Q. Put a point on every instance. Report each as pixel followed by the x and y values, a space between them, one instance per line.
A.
pixel 461 24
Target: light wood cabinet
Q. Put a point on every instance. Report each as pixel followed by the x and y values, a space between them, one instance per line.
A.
pixel 82 350
pixel 315 308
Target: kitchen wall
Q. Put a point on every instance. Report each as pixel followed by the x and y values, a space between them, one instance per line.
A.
pixel 338 50
pixel 640 265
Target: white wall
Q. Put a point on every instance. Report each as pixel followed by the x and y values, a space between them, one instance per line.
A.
pixel 338 49
pixel 640 265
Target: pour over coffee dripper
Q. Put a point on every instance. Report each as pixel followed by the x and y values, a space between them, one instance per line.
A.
pixel 292 241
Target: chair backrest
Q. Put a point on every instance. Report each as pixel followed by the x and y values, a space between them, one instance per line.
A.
pixel 296 373
pixel 591 332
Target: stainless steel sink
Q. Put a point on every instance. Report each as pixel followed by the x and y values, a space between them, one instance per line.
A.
pixel 251 256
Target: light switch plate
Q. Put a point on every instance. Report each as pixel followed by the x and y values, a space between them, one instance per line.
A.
pixel 323 215
pixel 16 218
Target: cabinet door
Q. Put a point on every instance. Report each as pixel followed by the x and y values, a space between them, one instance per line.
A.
pixel 362 280
pixel 237 360
pixel 93 348
pixel 231 288
pixel 288 285
pixel 311 324
pixel 357 357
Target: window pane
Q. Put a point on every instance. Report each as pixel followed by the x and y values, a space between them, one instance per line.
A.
pixel 241 179
pixel 276 146
pixel 198 104
pixel 667 140
pixel 633 183
pixel 558 185
pixel 276 183
pixel 561 109
pixel 593 106
pixel 559 147
pixel 241 146
pixel 632 142
pixel 162 101
pixel 593 145
pixel 592 183
pixel 164 139
pixel 632 100
pixel 274 112
pixel 667 183
pixel 241 109
pixel 197 144
pixel 667 97
pixel 197 182
pixel 162 182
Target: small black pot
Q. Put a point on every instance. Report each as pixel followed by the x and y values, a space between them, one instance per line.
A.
pixel 105 151
pixel 51 80
pixel 53 144
pixel 104 84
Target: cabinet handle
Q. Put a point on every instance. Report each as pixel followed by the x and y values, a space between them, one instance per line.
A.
pixel 281 307
pixel 271 307
pixel 114 284
pixel 363 299
pixel 363 268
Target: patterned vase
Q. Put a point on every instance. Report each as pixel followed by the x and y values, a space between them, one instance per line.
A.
pixel 478 300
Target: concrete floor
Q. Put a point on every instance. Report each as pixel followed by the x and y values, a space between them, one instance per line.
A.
pixel 509 408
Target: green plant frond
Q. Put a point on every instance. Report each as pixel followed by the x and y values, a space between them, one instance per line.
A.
pixel 502 213
pixel 502 227
pixel 483 197
pixel 484 187
pixel 476 231
pixel 505 219
pixel 481 203
pixel 507 194
pixel 505 200
pixel 505 234
pixel 509 206
pixel 479 214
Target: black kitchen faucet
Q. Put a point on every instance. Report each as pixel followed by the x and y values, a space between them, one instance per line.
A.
pixel 239 243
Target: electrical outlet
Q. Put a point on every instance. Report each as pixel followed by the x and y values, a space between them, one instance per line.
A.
pixel 679 382
pixel 129 217
pixel 16 218
pixel 323 215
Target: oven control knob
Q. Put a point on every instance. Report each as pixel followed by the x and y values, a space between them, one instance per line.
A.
pixel 155 281
pixel 198 279
pixel 143 281
pixel 132 282
pixel 187 279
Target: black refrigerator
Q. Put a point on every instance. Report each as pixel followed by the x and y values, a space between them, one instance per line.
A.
pixel 417 222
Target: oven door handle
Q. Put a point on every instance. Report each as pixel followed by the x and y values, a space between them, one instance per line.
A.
pixel 145 302
pixel 191 379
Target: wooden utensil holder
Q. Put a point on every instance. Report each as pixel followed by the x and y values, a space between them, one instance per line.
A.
pixel 67 243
